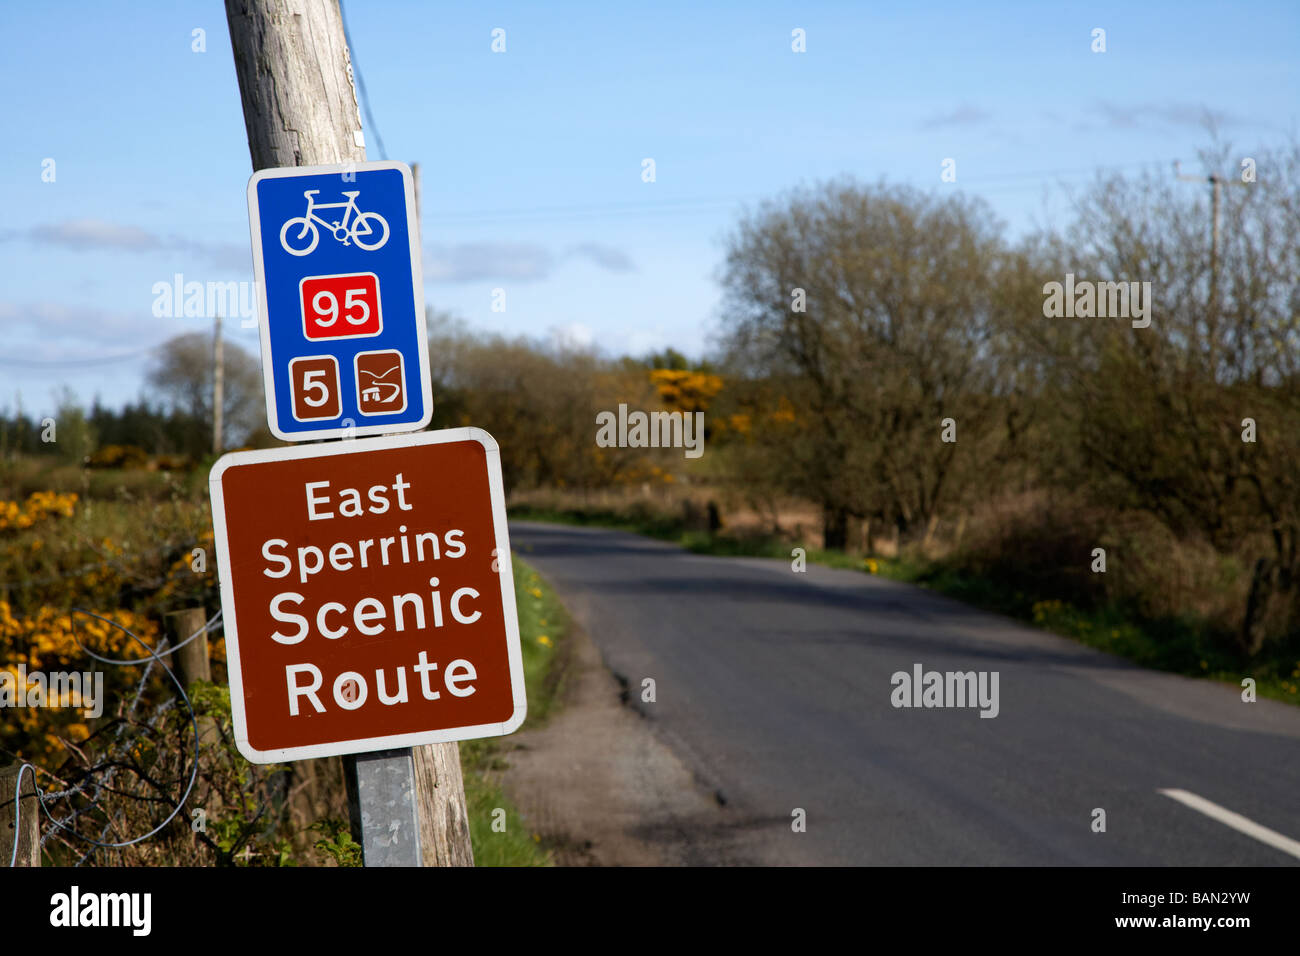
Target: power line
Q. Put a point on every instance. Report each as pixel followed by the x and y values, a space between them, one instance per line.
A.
pixel 78 363
pixel 361 83
pixel 1010 180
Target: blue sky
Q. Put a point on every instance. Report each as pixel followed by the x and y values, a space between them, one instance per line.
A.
pixel 532 158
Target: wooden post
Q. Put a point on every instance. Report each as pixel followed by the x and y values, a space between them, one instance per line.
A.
pixel 439 784
pixel 191 662
pixel 218 388
pixel 300 109
pixel 930 530
pixel 415 175
pixel 295 83
pixel 444 819
pixel 29 837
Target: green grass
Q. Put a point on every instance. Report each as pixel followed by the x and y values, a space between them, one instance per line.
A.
pixel 21 476
pixel 1180 645
pixel 543 627
pixel 638 520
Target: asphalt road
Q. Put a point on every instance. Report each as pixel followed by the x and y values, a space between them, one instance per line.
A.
pixel 774 688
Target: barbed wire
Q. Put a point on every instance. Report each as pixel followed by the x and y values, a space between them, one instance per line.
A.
pixel 103 781
pixel 214 623
pixel 85 362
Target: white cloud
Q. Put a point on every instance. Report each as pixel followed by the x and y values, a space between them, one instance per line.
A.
pixel 1170 114
pixel 643 341
pixel 964 115
pixel 53 332
pixel 607 257
pixel 89 235
pixel 523 261
pixel 471 261
pixel 93 234
pixel 572 337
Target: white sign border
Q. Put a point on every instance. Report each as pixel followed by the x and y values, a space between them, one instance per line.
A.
pixel 496 491
pixel 264 319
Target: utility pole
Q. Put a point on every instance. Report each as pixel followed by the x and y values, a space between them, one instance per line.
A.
pixel 444 835
pixel 1216 198
pixel 419 209
pixel 300 109
pixel 218 386
pixel 1216 181
pixel 295 81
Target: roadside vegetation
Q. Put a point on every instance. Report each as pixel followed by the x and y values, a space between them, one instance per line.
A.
pixel 90 557
pixel 543 636
pixel 1187 643
pixel 888 390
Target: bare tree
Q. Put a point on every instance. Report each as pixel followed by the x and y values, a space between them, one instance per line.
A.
pixel 874 311
pixel 1160 413
pixel 181 380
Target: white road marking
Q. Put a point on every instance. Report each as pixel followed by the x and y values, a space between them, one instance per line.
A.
pixel 1235 820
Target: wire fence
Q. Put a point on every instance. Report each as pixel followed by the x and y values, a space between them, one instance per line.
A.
pixel 102 778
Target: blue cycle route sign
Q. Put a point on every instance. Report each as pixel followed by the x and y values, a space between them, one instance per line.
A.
pixel 341 293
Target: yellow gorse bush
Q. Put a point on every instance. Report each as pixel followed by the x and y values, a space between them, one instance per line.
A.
pixel 783 414
pixel 43 641
pixel 39 505
pixel 740 422
pixel 685 391
pixel 181 576
pixel 48 635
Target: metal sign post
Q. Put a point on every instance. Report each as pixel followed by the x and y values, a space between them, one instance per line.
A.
pixel 381 796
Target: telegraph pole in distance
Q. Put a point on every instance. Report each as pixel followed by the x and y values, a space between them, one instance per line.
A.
pixel 1216 182
pixel 300 109
pixel 218 386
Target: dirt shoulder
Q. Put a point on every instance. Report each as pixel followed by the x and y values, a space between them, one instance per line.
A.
pixel 601 788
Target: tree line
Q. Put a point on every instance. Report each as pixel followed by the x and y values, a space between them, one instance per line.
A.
pixel 890 356
pixel 930 375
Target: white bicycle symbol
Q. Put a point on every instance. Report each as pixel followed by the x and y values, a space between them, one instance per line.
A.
pixel 364 225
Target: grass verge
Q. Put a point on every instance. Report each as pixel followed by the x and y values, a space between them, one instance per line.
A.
pixel 1179 645
pixel 543 627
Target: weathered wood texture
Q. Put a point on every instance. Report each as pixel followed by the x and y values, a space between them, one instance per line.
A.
pixel 300 109
pixel 444 820
pixel 29 837
pixel 190 662
pixel 295 82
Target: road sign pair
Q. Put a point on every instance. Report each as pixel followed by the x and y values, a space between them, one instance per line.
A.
pixel 366 586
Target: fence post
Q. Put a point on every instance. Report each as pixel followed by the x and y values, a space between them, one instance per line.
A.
pixel 29 839
pixel 192 662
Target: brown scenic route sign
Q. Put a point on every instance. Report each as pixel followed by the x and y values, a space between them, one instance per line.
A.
pixel 367 595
